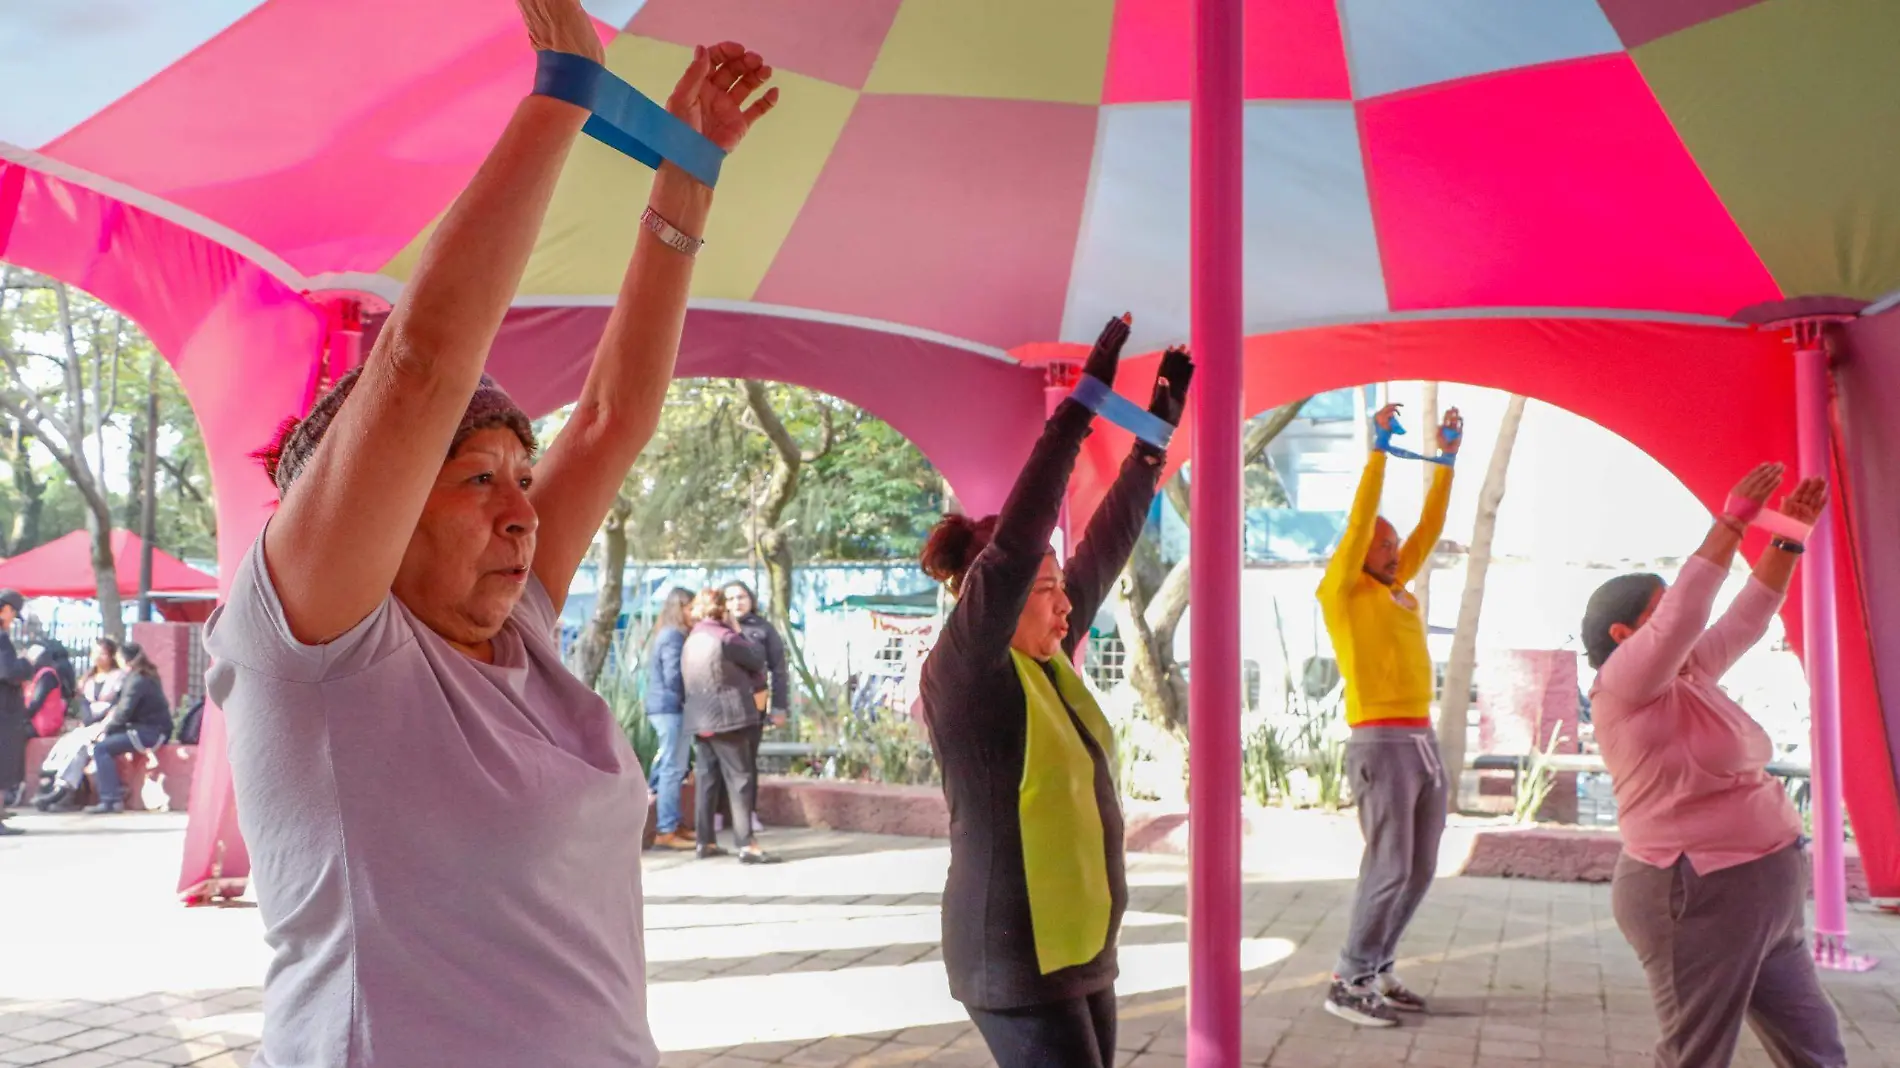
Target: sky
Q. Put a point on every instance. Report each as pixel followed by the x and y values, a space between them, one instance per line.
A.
pixel 1576 493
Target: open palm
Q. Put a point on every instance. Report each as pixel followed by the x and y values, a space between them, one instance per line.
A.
pixel 1807 501
pixel 711 95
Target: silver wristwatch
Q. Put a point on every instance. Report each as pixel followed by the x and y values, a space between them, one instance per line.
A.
pixel 674 237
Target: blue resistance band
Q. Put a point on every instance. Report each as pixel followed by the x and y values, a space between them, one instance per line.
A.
pixel 624 119
pixel 1092 393
pixel 1382 438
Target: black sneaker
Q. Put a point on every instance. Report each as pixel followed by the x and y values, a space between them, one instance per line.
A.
pixel 1360 1005
pixel 1396 994
pixel 7 831
pixel 704 852
pixel 755 855
pixel 105 808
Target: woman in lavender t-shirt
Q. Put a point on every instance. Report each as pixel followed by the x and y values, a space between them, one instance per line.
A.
pixel 444 823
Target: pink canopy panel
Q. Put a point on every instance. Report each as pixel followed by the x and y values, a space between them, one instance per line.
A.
pixel 1518 194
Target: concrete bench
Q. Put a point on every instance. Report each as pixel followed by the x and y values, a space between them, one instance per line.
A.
pixel 175 766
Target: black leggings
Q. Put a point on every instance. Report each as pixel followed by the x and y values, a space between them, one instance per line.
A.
pixel 1077 1033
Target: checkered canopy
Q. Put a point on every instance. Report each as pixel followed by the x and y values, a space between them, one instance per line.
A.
pixel 1013 171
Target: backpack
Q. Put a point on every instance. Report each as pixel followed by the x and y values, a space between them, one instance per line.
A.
pixel 52 714
pixel 190 723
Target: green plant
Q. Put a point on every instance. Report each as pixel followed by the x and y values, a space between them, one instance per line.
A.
pixel 1266 765
pixel 623 697
pixel 885 746
pixel 1326 762
pixel 1535 782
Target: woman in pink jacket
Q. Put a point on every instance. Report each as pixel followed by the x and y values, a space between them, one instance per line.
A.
pixel 1713 880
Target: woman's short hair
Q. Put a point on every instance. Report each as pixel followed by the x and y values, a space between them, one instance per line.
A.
pixel 953 545
pixel 1623 600
pixel 709 603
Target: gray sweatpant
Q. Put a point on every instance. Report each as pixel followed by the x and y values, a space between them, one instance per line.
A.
pixel 1399 785
pixel 1728 946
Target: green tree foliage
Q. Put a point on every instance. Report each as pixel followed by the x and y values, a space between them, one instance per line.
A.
pixel 109 360
pixel 697 488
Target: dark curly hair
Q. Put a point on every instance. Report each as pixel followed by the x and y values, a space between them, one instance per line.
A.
pixel 954 544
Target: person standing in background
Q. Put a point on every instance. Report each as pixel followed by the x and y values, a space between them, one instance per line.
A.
pixel 666 707
pixel 1399 785
pixel 775 703
pixel 14 673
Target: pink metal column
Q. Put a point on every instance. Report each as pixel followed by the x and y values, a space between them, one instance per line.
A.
pixel 1214 678
pixel 1813 392
pixel 1058 380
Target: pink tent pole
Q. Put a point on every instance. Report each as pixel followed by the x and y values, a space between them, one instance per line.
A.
pixel 1818 578
pixel 1058 379
pixel 1214 682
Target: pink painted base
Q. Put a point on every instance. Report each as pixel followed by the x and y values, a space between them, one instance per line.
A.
pixel 1831 953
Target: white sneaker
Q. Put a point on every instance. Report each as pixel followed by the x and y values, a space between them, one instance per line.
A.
pixel 1359 1005
pixel 1395 993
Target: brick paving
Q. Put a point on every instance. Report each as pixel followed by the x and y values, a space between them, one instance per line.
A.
pixel 834 958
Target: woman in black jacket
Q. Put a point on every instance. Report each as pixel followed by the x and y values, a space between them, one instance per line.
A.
pixel 775 702
pixel 722 669
pixel 1036 888
pixel 140 721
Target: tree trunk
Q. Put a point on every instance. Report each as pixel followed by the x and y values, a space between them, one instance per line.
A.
pixel 91 487
pixel 1456 702
pixel 770 541
pixel 105 573
pixel 590 656
pixel 1148 656
pixel 26 523
pixel 1149 605
pixel 148 494
pixel 1422 586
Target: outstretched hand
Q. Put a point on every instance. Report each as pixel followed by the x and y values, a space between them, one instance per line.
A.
pixel 561 26
pixel 1169 399
pixel 1451 432
pixel 711 95
pixel 1759 483
pixel 1107 353
pixel 1807 501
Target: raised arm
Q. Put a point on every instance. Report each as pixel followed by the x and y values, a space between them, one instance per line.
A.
pixel 1117 523
pixel 993 592
pixel 619 407
pixel 339 536
pixel 1431 520
pixel 1748 616
pixel 1648 660
pixel 1349 556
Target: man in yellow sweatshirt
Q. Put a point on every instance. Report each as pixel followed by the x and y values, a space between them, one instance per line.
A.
pixel 1398 784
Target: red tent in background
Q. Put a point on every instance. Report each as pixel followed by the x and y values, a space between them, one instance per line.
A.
pixel 63 568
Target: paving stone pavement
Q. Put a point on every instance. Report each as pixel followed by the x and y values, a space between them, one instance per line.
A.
pixel 834 957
